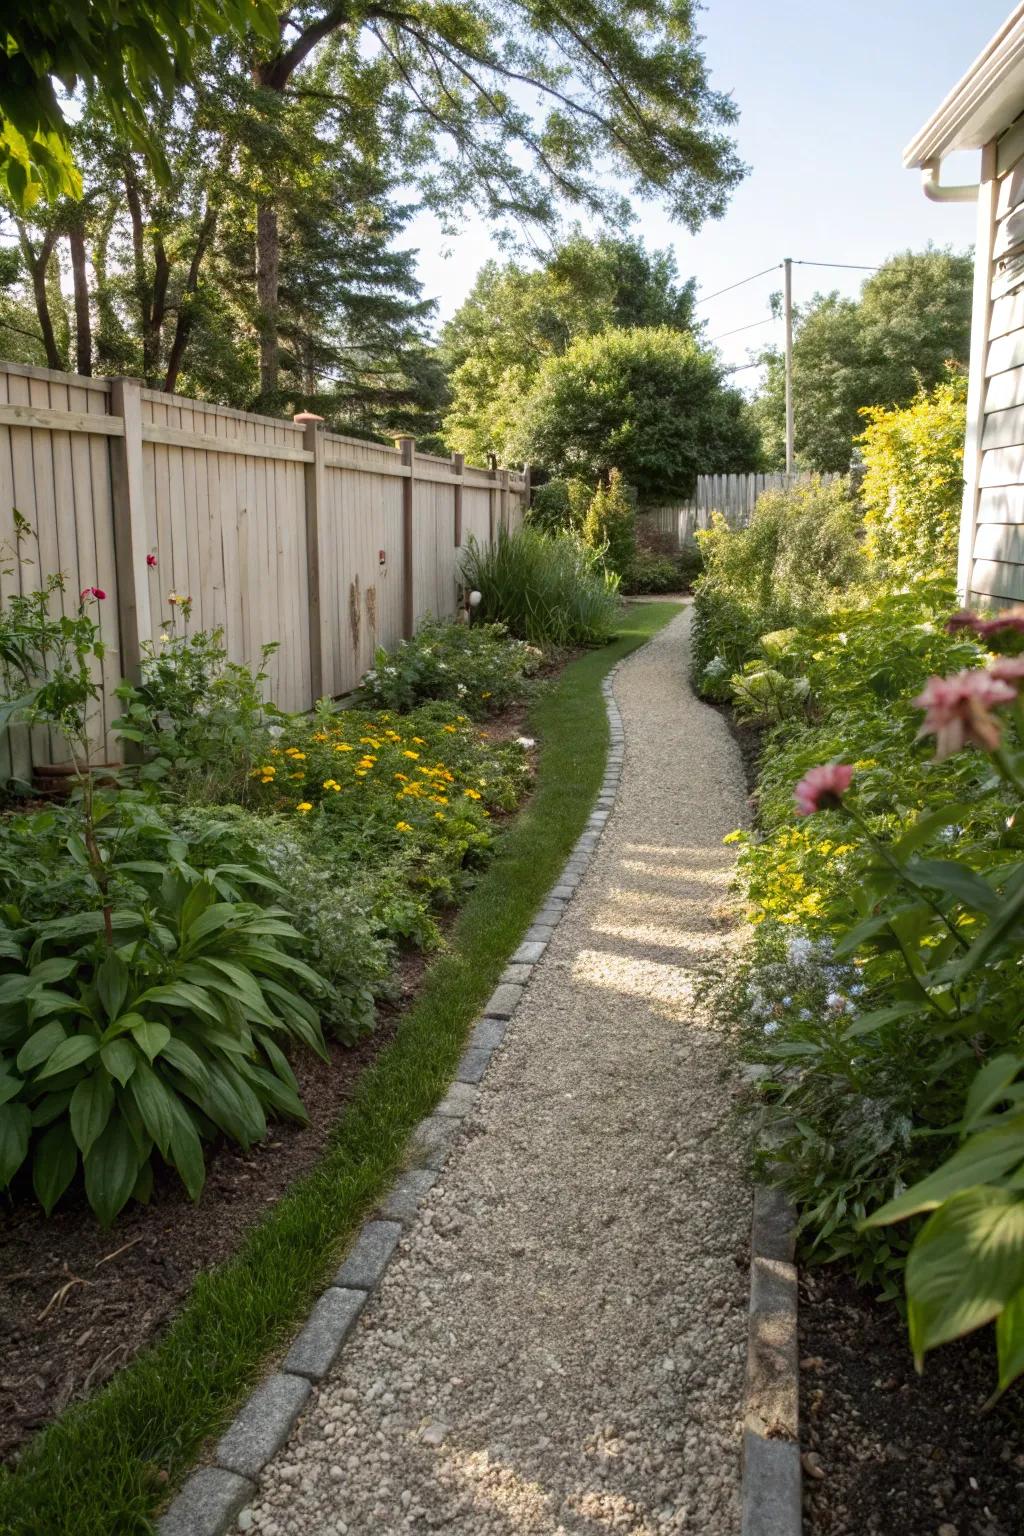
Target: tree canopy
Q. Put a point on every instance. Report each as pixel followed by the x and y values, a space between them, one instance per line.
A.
pixel 912 317
pixel 649 402
pixel 514 318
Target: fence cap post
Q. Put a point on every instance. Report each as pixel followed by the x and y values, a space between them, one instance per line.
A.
pixel 304 417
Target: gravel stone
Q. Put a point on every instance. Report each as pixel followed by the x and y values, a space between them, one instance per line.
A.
pixel 591 1228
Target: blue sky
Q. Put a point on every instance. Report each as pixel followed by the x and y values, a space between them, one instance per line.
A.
pixel 828 94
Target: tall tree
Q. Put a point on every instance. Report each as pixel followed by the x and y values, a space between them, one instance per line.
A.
pixel 513 318
pixel 626 91
pixel 913 316
pixel 651 403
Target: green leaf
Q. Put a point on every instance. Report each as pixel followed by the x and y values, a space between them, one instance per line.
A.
pixel 112 984
pixel 10 1087
pixel 985 1157
pixel 183 996
pixel 878 1018
pixel 91 1103
pixel 15 1128
pixel 1010 1341
pixel 1011 910
pixel 54 1164
pixel 989 1088
pixel 119 1059
pixel 111 1170
pixel 70 1053
pixel 966 1264
pixel 40 1046
pixel 155 1104
pixel 186 1153
pixel 150 1037
pixel 957 881
pixel 926 826
pixel 186 1061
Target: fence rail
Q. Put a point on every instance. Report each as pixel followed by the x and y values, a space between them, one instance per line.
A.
pixel 734 496
pixel 277 530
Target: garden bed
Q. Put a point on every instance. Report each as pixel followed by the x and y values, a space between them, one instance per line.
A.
pixel 886 1450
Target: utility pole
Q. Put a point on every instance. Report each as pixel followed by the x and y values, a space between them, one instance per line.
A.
pixel 788 298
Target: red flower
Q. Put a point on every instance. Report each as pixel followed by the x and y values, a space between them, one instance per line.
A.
pixel 96 592
pixel 821 789
pixel 151 561
pixel 958 709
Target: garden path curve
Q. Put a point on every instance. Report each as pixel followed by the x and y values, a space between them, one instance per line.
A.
pixel 559 1344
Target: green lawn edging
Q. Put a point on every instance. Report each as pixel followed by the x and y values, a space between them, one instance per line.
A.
pixel 107 1465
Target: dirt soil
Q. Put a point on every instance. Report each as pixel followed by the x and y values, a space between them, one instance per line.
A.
pixel 77 1303
pixel 888 1451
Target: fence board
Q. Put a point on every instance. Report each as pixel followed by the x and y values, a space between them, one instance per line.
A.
pixel 733 495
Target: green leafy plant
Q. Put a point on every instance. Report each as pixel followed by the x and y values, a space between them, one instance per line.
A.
pixel 479 667
pixel 560 506
pixel 610 524
pixel 549 589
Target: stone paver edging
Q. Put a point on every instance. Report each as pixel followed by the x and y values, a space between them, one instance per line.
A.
pixel 771 1445
pixel 213 1497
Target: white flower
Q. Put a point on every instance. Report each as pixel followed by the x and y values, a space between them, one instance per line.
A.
pixel 805 1015
pixel 772 1027
pixel 526 742
pixel 800 950
pixel 836 1001
pixel 787 1002
pixel 274 731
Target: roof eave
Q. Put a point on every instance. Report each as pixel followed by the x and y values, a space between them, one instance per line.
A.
pixel 982 104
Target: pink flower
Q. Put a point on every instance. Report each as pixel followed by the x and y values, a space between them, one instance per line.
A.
pixel 99 593
pixel 96 592
pixel 957 710
pixel 151 562
pixel 821 789
pixel 1011 619
pixel 1008 669
pixel 962 620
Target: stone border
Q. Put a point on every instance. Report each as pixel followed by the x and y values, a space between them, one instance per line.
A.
pixel 771 1427
pixel 213 1497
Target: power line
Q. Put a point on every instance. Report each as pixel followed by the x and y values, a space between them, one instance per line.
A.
pixel 709 296
pixel 847 266
pixel 751 327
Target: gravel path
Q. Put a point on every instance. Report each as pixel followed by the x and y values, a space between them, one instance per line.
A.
pixel 559 1344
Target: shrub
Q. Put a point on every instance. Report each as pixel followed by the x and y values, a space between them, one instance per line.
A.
pixel 549 589
pixel 559 506
pixel 912 490
pixel 800 554
pixel 478 667
pixel 610 524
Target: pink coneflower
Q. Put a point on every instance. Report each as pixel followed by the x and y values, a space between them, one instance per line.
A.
pixel 822 788
pixel 151 562
pixel 1008 669
pixel 962 620
pixel 957 710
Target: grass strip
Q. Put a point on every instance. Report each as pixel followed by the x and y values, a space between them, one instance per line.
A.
pixel 106 1465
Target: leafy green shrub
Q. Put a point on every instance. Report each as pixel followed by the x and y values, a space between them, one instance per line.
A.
pixel 912 490
pixel 549 589
pixel 144 1011
pixel 650 572
pixel 479 667
pixel 610 524
pixel 198 718
pixel 559 506
pixel 799 555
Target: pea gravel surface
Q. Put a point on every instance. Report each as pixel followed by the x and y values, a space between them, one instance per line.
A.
pixel 559 1343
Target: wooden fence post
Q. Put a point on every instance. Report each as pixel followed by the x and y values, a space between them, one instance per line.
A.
pixel 524 501
pixel 407 447
pixel 313 442
pixel 503 499
pixel 131 532
pixel 492 467
pixel 458 466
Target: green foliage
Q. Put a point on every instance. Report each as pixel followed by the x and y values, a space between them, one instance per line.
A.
pixel 912 318
pixel 130 59
pixel 149 1014
pixel 560 506
pixel 200 719
pixel 514 318
pixel 912 491
pixel 609 526
pixel 479 667
pixel 651 572
pixel 650 402
pixel 549 589
pixel 799 555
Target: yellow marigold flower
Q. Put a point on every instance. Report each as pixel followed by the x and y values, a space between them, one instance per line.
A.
pixel 304 806
pixel 299 776
pixel 403 826
pixel 439 815
pixel 407 753
pixel 452 730
pixel 471 794
pixel 403 778
pixel 417 741
pixel 360 773
pixel 343 746
pixel 319 735
pixel 331 784
pixel 392 736
pixel 298 757
pixel 439 799
pixel 485 695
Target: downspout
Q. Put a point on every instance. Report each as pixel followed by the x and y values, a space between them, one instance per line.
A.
pixel 930 171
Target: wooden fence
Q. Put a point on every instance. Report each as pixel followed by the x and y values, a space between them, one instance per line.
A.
pixel 735 496
pixel 277 530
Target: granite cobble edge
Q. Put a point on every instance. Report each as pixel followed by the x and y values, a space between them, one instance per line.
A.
pixel 210 1501
pixel 771 1480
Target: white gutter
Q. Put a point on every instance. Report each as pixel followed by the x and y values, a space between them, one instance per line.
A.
pixel 932 187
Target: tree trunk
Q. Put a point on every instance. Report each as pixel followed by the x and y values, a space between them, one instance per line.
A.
pixel 186 313
pixel 83 323
pixel 267 298
pixel 37 263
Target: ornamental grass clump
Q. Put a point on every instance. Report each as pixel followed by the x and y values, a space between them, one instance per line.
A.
pixel 549 589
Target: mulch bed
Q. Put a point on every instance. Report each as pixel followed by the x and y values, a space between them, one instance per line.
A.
pixel 77 1303
pixel 888 1451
